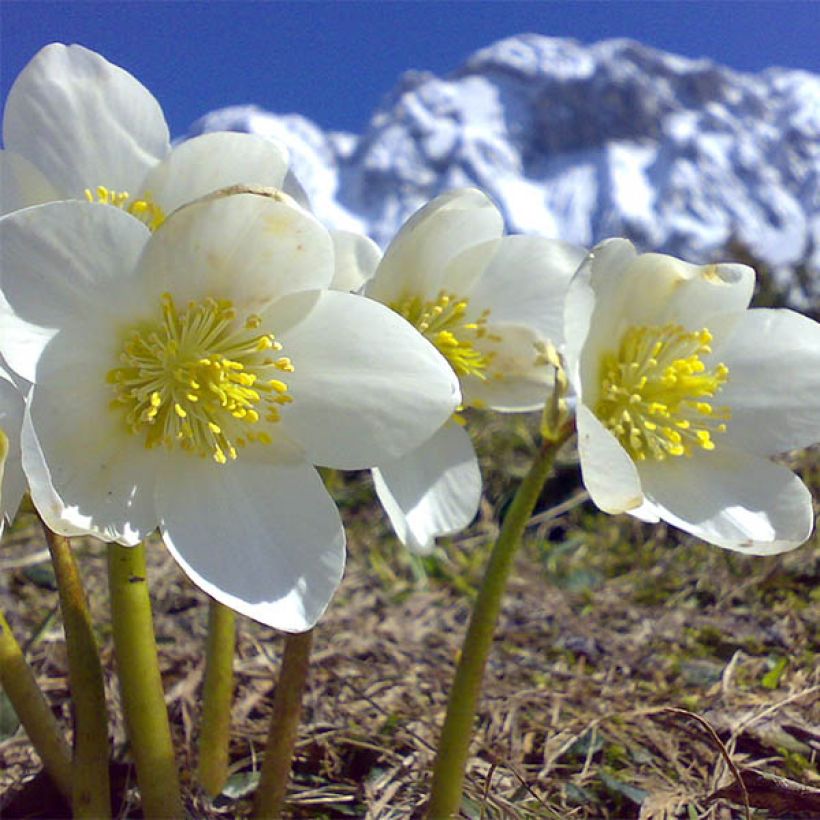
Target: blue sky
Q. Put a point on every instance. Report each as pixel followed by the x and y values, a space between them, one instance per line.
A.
pixel 333 61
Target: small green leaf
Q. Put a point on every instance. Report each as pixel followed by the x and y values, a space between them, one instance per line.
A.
pixel 579 795
pixel 240 784
pixel 771 680
pixel 616 786
pixel 41 575
pixel 588 744
pixel 9 722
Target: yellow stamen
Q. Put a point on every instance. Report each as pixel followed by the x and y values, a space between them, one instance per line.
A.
pixel 146 210
pixel 199 379
pixel 653 390
pixel 443 321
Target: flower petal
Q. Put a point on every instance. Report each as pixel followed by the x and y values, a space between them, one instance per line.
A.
pixel 733 499
pixel 22 184
pixel 656 289
pixel 523 280
pixel 608 472
pixel 357 258
pixel 4 451
pixel 416 259
pixel 83 121
pixel 265 541
pixel 209 162
pixel 57 264
pixel 86 472
pixel 773 390
pixel 12 480
pixel 366 387
pixel 517 380
pixel 433 490
pixel 248 248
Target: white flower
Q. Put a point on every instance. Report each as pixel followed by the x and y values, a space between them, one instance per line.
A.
pixel 488 303
pixel 77 127
pixel 684 394
pixel 12 481
pixel 191 378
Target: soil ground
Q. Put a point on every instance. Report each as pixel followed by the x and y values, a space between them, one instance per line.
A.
pixel 630 663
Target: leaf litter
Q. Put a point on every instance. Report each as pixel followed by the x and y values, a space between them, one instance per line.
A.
pixel 636 672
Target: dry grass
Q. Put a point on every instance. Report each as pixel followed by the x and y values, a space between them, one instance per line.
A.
pixel 608 623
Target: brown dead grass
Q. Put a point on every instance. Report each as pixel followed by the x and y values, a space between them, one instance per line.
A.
pixel 607 624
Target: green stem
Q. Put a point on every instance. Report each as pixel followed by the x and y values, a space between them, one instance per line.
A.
pixel 284 727
pixel 34 713
pixel 456 734
pixel 217 692
pixel 91 794
pixel 143 701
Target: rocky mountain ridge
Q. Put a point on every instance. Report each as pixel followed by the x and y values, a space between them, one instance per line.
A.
pixel 581 142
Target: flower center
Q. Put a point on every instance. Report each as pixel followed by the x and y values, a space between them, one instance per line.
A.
pixel 654 391
pixel 146 210
pixel 201 380
pixel 443 323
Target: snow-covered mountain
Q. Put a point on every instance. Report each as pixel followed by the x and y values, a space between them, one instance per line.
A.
pixel 580 142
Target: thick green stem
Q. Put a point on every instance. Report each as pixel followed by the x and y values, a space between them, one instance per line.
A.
pixel 34 713
pixel 143 701
pixel 284 727
pixel 217 693
pixel 457 732
pixel 91 794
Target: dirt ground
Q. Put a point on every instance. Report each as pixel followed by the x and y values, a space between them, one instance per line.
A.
pixel 631 663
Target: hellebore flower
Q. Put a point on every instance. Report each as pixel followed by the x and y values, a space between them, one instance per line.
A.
pixel 77 127
pixel 190 379
pixel 489 303
pixel 12 481
pixel 684 394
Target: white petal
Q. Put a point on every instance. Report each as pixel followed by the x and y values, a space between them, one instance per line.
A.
pixel 517 379
pixel 22 184
pixel 4 451
pixel 247 248
pixel 647 512
pixel 695 292
pixel 367 387
pixel 43 495
pixel 433 490
pixel 735 500
pixel 12 480
pixel 61 263
pixel 773 389
pixel 579 306
pixel 357 258
pixel 267 541
pixel 89 473
pixel 209 162
pixel 656 290
pixel 83 121
pixel 524 280
pixel 608 472
pixel 416 259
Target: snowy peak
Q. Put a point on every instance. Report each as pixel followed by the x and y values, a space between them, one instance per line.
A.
pixel 581 142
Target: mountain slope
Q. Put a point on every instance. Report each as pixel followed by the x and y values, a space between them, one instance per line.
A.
pixel 581 142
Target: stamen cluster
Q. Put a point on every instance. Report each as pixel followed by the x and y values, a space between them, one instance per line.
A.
pixel 146 210
pixel 200 380
pixel 654 391
pixel 442 321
